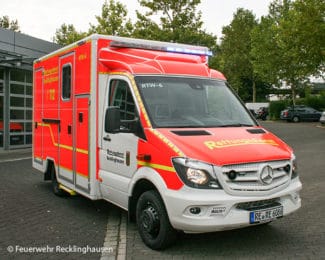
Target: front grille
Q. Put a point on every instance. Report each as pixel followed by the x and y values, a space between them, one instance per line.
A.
pixel 246 178
pixel 256 205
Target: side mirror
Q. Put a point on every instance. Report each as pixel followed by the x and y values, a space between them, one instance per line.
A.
pixel 112 120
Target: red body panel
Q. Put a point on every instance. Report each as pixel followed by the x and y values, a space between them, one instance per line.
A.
pixel 57 135
pixel 222 146
pixel 161 150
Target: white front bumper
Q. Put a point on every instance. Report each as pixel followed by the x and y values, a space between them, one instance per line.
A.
pixel 218 210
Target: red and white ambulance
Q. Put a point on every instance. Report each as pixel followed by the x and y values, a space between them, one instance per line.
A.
pixel 148 126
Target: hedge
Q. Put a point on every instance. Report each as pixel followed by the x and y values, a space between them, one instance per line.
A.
pixel 276 107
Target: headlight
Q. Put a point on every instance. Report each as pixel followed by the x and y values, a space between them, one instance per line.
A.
pixel 294 168
pixel 196 174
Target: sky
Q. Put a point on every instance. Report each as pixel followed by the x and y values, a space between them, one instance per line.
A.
pixel 41 18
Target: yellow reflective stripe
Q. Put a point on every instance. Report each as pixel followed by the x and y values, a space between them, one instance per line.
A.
pixel 67 147
pixel 167 141
pixel 157 166
pixel 82 151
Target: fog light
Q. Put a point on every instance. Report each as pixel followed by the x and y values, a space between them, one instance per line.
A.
pixel 195 210
pixel 232 175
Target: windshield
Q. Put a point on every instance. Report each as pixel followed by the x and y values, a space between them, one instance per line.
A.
pixel 191 102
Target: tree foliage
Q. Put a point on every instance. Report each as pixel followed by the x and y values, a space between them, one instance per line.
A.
pixel 235 53
pixel 67 34
pixel 113 20
pixel 179 20
pixel 288 44
pixel 306 31
pixel 6 23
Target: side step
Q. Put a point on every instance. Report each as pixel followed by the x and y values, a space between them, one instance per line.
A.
pixel 71 192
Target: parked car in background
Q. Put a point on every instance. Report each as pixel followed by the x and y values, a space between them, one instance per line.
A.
pixel 14 139
pixel 322 118
pixel 300 113
pixel 262 113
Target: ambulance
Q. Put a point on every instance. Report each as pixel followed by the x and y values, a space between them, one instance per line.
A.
pixel 148 126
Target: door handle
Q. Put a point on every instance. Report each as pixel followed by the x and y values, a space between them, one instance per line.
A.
pixel 107 138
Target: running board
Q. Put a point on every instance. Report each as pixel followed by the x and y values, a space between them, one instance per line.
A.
pixel 71 192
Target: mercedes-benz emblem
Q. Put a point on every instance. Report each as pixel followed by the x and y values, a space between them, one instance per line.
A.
pixel 266 175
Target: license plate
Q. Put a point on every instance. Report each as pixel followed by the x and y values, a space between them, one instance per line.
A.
pixel 265 215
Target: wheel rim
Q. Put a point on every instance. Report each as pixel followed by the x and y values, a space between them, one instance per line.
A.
pixel 295 119
pixel 150 221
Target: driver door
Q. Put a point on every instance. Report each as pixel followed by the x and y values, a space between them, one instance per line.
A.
pixel 118 151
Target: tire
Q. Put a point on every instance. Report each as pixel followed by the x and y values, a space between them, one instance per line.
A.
pixel 56 186
pixel 295 119
pixel 153 222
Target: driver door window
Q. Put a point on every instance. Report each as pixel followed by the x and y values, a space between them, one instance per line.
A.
pixel 121 96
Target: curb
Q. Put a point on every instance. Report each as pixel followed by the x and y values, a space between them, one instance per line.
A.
pixel 115 239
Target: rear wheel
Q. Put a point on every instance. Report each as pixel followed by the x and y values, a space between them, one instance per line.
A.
pixel 295 119
pixel 55 185
pixel 153 222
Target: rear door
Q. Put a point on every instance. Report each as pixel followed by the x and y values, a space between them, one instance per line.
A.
pixel 81 143
pixel 37 113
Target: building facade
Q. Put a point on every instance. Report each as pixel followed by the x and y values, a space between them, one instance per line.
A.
pixel 17 53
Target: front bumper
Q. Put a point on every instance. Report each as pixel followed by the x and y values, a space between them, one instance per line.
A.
pixel 219 210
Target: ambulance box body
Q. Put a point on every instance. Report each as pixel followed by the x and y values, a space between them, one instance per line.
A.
pixel 148 126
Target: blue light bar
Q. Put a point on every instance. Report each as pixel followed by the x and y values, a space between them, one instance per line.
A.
pixel 160 46
pixel 190 51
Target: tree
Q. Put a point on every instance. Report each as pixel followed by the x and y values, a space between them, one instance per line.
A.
pixel 265 53
pixel 67 34
pixel 288 44
pixel 307 28
pixel 179 22
pixel 7 24
pixel 113 20
pixel 235 53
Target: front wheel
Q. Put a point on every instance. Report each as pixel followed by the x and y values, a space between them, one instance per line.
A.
pixel 153 222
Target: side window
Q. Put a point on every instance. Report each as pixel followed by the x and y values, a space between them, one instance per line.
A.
pixel 66 81
pixel 121 96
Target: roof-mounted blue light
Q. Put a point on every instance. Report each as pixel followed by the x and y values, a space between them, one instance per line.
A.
pixel 160 46
pixel 193 51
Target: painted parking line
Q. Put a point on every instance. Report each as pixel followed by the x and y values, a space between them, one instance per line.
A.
pixel 15 159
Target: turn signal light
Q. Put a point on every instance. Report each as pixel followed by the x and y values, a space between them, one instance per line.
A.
pixel 144 157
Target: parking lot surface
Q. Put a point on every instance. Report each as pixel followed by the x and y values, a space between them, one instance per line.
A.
pixel 31 216
pixel 33 219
